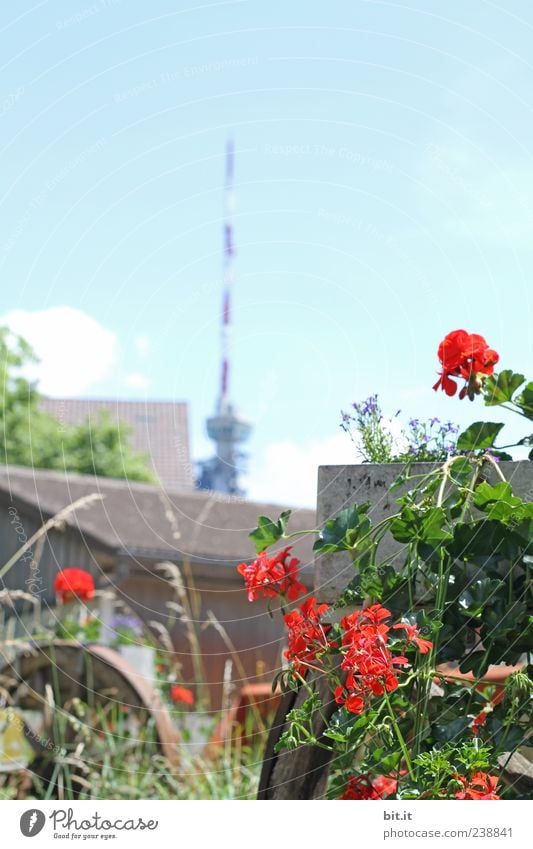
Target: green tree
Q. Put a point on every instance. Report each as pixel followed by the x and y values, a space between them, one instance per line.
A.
pixel 29 436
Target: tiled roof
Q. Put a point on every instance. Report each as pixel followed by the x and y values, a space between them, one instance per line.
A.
pixel 159 430
pixel 143 520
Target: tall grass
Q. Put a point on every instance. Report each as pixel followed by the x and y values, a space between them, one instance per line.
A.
pixel 103 750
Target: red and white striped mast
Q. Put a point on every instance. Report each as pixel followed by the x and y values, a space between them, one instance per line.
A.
pixel 226 428
pixel 228 274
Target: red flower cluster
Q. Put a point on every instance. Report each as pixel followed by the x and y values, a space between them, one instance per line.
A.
pixel 268 577
pixel 364 787
pixel 465 355
pixel 71 584
pixel 480 786
pixel 367 660
pixel 182 694
pixel 307 636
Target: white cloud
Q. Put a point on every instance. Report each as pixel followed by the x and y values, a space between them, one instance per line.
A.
pixel 136 380
pixel 74 350
pixel 287 471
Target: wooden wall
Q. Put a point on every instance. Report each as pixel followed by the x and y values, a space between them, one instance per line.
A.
pixel 257 639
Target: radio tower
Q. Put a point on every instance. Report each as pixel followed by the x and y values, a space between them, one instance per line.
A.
pixel 226 428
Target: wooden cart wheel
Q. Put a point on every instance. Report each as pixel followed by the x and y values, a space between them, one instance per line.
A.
pixel 95 674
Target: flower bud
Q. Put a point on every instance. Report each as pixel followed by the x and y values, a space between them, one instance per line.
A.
pixel 518 687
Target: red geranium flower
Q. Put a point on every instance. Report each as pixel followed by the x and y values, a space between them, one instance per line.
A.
pixel 480 786
pixel 268 577
pixel 365 787
pixel 182 694
pixel 385 785
pixel 74 583
pixel 367 659
pixel 411 635
pixel 360 787
pixel 465 355
pixel 307 636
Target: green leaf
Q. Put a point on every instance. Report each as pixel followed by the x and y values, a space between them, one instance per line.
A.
pixel 433 531
pixel 404 528
pixel 478 594
pixel 451 730
pixel 501 387
pixel 335 735
pixel 498 502
pixel 488 537
pixel 525 400
pixel 487 495
pixel 342 532
pixel 479 435
pixel 268 531
pixel 425 525
pixel 461 471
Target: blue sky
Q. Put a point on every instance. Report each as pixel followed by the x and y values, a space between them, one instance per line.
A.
pixel 384 181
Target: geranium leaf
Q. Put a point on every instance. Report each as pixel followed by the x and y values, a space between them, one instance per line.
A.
pixel 268 532
pixel 486 494
pixel 341 533
pixel 433 531
pixel 479 435
pixel 452 730
pixel 479 593
pixel 501 387
pixel 525 400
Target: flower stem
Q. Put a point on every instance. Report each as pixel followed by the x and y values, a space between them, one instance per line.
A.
pixel 399 736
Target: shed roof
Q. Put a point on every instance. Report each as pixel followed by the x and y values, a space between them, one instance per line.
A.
pixel 143 520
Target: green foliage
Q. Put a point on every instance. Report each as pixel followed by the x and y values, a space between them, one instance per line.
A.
pixel 106 754
pixel 500 388
pixel 101 447
pixel 458 590
pixel 31 437
pixel 299 729
pixel 268 532
pixel 465 758
pixel 525 401
pixel 465 544
pixel 423 525
pixel 345 532
pixel 479 435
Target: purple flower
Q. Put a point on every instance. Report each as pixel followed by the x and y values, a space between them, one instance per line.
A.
pixel 449 427
pixel 370 406
pixel 414 423
pixel 128 622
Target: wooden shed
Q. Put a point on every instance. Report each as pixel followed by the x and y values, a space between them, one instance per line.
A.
pixel 121 538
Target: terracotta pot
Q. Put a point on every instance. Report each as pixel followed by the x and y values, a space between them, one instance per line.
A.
pixel 256 697
pixel 495 676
